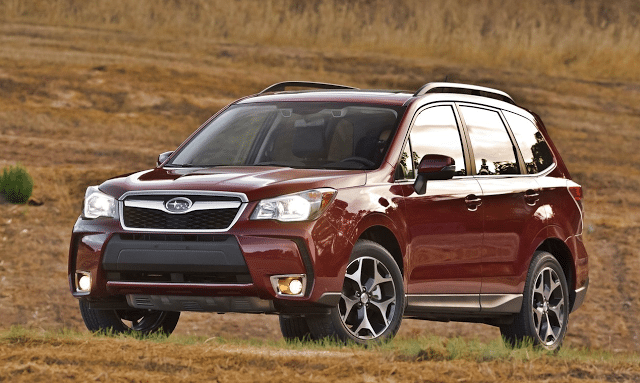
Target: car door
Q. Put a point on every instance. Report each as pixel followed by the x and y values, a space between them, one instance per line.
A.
pixel 510 200
pixel 445 224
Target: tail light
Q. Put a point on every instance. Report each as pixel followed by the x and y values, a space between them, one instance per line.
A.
pixel 576 192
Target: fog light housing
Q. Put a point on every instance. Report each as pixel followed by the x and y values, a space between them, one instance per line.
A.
pixel 83 281
pixel 292 285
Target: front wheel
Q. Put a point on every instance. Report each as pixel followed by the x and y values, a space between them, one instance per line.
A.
pixel 294 328
pixel 143 322
pixel 372 301
pixel 544 316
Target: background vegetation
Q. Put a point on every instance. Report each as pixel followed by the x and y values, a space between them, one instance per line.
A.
pixel 594 38
pixel 16 185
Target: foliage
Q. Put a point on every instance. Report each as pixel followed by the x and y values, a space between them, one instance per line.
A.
pixel 16 185
pixel 549 36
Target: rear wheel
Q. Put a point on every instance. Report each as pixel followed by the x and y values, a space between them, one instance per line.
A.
pixel 129 321
pixel 372 299
pixel 294 328
pixel 544 316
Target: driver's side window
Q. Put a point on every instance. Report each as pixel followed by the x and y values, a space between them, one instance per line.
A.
pixel 435 131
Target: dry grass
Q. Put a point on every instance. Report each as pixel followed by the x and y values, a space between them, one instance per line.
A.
pixel 27 356
pixel 592 38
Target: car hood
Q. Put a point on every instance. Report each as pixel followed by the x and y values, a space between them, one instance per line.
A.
pixel 256 182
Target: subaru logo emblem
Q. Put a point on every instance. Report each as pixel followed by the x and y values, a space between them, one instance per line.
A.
pixel 178 205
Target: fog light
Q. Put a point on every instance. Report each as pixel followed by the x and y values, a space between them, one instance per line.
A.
pixel 83 281
pixel 289 284
pixel 295 286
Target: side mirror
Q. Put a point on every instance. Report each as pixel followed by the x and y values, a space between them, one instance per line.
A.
pixel 163 157
pixel 434 167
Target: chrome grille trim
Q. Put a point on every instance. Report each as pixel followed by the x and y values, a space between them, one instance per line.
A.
pixel 240 205
pixel 198 205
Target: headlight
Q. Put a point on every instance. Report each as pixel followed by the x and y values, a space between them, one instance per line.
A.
pixel 97 204
pixel 306 205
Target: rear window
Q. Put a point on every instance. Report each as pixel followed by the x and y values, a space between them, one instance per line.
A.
pixel 535 151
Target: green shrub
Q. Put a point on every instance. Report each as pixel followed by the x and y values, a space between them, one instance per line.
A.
pixel 16 185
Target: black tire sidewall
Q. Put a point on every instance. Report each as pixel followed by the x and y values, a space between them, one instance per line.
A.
pixel 294 328
pixel 111 321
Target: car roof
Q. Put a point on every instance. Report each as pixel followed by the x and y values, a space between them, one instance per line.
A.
pixel 428 93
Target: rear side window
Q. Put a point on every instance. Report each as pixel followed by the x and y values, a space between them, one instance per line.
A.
pixel 435 131
pixel 535 151
pixel 492 147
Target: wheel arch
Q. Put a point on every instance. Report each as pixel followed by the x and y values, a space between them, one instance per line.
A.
pixel 562 253
pixel 387 239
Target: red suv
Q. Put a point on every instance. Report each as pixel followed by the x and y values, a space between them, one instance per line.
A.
pixel 343 210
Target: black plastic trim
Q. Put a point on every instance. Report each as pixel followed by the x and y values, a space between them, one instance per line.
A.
pixel 223 255
pixel 308 265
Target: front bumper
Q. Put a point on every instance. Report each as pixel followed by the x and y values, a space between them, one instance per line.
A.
pixel 221 272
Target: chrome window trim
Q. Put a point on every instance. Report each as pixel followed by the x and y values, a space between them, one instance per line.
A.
pixel 242 207
pixel 543 173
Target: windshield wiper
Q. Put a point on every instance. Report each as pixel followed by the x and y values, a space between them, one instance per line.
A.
pixel 274 163
pixel 182 166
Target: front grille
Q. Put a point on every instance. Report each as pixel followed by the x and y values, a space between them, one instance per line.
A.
pixel 207 213
pixel 140 218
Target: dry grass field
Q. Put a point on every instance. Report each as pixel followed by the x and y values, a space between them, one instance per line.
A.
pixel 72 357
pixel 90 91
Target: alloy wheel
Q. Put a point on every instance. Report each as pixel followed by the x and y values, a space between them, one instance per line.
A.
pixel 548 306
pixel 368 298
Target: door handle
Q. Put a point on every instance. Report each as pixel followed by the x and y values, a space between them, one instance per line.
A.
pixel 531 197
pixel 473 201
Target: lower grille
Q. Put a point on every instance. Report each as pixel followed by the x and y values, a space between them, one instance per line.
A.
pixel 175 258
pixel 153 277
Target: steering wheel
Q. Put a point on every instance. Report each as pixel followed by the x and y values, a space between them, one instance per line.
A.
pixel 360 160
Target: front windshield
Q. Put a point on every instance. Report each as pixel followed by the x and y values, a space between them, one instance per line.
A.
pixel 295 134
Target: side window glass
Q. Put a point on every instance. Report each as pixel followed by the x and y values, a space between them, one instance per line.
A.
pixel 535 151
pixel 435 131
pixel 492 148
pixel 405 166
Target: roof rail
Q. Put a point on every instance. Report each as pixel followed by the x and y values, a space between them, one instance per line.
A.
pixel 303 84
pixel 450 87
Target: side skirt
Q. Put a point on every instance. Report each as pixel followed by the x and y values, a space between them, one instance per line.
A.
pixel 463 304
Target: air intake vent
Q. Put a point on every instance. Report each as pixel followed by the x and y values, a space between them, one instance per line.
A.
pixel 143 302
pixel 191 306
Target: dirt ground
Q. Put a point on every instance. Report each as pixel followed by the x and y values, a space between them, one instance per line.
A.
pixel 80 105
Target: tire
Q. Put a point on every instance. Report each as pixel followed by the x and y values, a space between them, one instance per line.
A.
pixel 372 301
pixel 544 316
pixel 142 322
pixel 294 328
